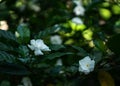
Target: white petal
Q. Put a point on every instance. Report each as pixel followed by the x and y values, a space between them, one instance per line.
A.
pixel 84 62
pixel 87 58
pixel 39 41
pixel 38 52
pixel 26 81
pixel 31 47
pixel 33 42
pixel 86 65
pixel 56 39
pixel 80 69
pixel 40 45
pixel 92 65
pixel 44 47
pixel 59 62
pixel 77 20
pixel 79 10
pixel 86 71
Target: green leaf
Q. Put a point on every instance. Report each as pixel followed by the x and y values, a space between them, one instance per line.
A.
pixel 6 57
pixel 23 34
pixel 114 43
pixel 7 35
pixel 97 56
pixel 14 69
pixel 46 32
pixel 82 52
pixel 100 45
pixel 56 47
pixel 5 47
pixel 56 55
pixel 5 83
pixel 23 50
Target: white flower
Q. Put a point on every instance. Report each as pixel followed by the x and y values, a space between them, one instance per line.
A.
pixel 4 25
pixel 38 46
pixel 26 81
pixel 56 39
pixel 59 62
pixel 77 20
pixel 17 34
pixel 79 10
pixel 86 65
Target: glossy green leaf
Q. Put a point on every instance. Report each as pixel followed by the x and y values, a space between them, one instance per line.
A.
pixel 14 69
pixel 7 35
pixel 5 47
pixel 4 56
pixel 23 50
pixel 23 34
pixel 57 54
pixel 47 32
pixel 82 52
pixel 114 43
pixel 56 47
pixel 100 45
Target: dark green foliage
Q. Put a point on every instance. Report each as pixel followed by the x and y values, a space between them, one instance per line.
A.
pixel 23 33
pixel 114 43
pixel 57 54
pixel 41 19
pixel 13 69
pixel 7 35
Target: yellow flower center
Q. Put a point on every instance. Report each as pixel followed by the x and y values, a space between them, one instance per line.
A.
pixel 87 65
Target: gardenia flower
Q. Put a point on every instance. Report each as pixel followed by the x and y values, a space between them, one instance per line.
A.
pixel 38 46
pixel 4 25
pixel 56 39
pixel 59 62
pixel 77 20
pixel 86 65
pixel 79 10
pixel 26 81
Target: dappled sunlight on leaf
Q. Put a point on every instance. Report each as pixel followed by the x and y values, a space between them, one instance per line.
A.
pixel 87 34
pixel 105 13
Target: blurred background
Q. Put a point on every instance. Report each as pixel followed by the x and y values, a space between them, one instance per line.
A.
pixel 83 27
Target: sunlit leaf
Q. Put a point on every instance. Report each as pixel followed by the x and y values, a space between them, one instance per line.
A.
pixel 116 9
pixel 100 45
pixel 87 34
pixel 105 13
